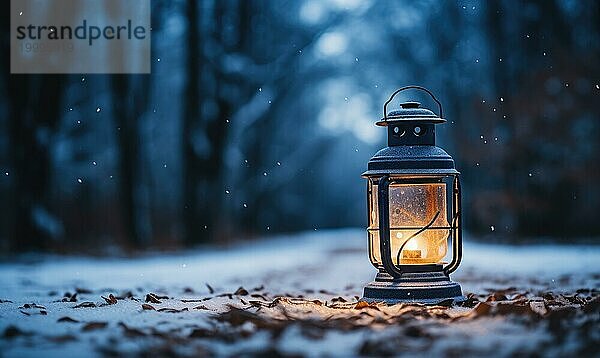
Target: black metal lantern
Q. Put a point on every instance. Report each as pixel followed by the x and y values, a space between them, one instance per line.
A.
pixel 413 195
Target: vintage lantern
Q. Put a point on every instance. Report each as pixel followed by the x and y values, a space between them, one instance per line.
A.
pixel 413 195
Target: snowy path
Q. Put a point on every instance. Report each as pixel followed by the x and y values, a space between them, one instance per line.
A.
pixel 317 265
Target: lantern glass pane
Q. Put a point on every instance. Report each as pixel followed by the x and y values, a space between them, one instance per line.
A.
pixel 419 223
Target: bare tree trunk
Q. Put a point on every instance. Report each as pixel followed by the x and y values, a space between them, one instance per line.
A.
pixel 191 117
pixel 130 100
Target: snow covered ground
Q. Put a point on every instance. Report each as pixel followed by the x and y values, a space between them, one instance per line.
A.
pixel 316 265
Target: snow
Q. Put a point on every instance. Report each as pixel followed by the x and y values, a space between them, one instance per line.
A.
pixel 334 260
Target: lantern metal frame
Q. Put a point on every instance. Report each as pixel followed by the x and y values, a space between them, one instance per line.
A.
pixel 413 159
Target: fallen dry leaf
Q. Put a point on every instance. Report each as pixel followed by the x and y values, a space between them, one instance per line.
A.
pixel 32 305
pixel 172 310
pixel 148 307
pixel 210 289
pixel 67 319
pixel 241 292
pixel 131 332
pixel 153 298
pixel 13 331
pixel 86 304
pixel 111 299
pixel 92 326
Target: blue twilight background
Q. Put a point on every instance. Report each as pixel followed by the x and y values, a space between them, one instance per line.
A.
pixel 258 118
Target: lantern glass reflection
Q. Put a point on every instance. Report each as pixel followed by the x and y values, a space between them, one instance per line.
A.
pixel 419 226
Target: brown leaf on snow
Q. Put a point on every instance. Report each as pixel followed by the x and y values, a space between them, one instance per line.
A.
pixel 172 310
pixel 32 305
pixel 202 333
pixel 338 299
pixel 92 326
pixel 241 292
pixel 131 332
pixel 481 309
pixel 148 307
pixel 111 299
pixel 67 319
pixel 496 296
pixel 69 297
pixel 14 331
pixel 362 305
pixel 5 301
pixel 210 289
pixel 201 307
pixel 86 304
pixel 151 297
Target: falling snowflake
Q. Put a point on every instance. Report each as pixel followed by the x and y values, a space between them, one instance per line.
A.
pixel 492 228
pixel 98 110
pixel 79 180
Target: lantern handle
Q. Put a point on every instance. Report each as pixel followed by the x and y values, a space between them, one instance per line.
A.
pixel 457 224
pixel 411 87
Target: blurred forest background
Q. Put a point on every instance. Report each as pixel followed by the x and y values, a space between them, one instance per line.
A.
pixel 258 118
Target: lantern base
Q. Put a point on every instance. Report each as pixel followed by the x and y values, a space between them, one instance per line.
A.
pixel 430 288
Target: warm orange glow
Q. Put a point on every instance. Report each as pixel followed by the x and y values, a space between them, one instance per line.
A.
pixel 419 226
